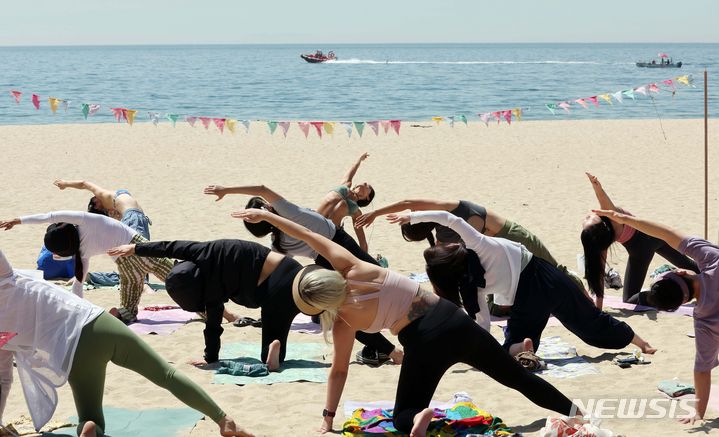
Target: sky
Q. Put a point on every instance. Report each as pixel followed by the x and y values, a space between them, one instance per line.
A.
pixel 101 22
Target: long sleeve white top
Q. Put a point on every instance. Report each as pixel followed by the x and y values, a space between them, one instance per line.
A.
pixel 501 259
pixel 48 321
pixel 98 234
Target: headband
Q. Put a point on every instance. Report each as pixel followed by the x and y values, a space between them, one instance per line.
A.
pixel 303 306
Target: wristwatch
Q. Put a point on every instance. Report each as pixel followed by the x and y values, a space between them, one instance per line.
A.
pixel 328 413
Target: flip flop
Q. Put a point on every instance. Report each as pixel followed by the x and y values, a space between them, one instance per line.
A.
pixel 246 321
pixel 530 361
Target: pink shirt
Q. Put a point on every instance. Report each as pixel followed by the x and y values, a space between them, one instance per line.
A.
pixel 627 231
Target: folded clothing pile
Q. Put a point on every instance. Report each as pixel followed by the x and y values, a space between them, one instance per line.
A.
pixel 238 368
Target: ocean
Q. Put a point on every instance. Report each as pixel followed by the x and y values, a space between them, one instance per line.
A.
pixel 367 82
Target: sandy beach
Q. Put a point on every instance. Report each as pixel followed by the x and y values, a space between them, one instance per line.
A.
pixel 529 172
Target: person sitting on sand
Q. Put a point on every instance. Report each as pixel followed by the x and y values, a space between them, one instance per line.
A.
pixel 62 338
pixel 532 286
pixel 436 334
pixel 213 272
pixel 675 288
pixel 598 233
pixel 84 235
pixel 377 345
pixel 345 200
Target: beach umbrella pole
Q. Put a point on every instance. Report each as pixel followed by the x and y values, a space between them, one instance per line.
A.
pixel 706 159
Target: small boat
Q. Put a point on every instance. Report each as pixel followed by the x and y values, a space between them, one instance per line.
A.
pixel 319 57
pixel 664 62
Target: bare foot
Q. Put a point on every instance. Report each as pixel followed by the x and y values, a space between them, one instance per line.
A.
pixel 229 428
pixel 524 346
pixel 527 345
pixel 273 356
pixel 421 423
pixel 89 429
pixel 397 356
pixel 648 349
pixel 230 316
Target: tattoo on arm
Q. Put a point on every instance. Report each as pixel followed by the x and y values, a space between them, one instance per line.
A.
pixel 421 305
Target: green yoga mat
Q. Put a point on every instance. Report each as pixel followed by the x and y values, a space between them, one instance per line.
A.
pixel 303 362
pixel 146 423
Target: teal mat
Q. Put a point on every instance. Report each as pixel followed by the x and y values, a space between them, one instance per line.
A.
pixel 305 362
pixel 146 423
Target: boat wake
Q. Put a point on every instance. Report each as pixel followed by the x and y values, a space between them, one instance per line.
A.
pixel 371 61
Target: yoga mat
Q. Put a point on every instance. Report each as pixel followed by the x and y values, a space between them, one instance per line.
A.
pixel 163 322
pixel 304 325
pixel 562 359
pixel 616 302
pixel 154 422
pixel 304 362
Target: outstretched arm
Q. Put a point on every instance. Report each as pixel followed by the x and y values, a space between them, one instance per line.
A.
pixel 73 217
pixel 250 190
pixel 180 249
pixel 353 170
pixel 672 237
pixel 340 258
pixel 604 201
pixel 343 339
pixel 106 196
pixel 414 205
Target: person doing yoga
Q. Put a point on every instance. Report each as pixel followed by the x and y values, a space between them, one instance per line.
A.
pixel 62 338
pixel 533 287
pixel 674 288
pixel 435 333
pixel 599 232
pixel 213 272
pixel 378 347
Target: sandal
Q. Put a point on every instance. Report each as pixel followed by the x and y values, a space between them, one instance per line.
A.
pixel 530 361
pixel 246 321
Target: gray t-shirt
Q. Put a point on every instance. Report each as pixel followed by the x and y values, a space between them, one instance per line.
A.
pixel 706 313
pixel 307 218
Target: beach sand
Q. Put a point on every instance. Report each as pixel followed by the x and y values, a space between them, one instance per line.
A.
pixel 529 172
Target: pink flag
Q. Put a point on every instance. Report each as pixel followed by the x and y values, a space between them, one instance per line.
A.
pixel 507 116
pixel 564 105
pixel 318 126
pixel 583 103
pixel 385 125
pixel 120 113
pixel 285 126
pixel 395 125
pixel 304 127
pixel 17 95
pixel 92 109
pixel 6 337
pixel 485 118
pixel 36 101
pixel 641 90
pixel 668 82
pixel 497 115
pixel 205 122
pixel 653 88
pixel 190 119
pixel 594 100
pixel 375 126
pixel 220 123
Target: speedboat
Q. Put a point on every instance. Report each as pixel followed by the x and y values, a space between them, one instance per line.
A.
pixel 319 57
pixel 664 62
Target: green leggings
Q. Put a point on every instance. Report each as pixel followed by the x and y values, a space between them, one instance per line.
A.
pixel 108 339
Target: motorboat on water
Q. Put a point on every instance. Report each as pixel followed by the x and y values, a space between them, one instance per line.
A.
pixel 664 62
pixel 318 57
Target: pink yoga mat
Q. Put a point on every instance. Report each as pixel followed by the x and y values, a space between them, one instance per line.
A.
pixel 163 322
pixel 616 302
pixel 5 337
pixel 303 324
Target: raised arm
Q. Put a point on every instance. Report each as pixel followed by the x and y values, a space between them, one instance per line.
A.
pixel 604 201
pixel 411 204
pixel 106 196
pixel 180 249
pixel 340 258
pixel 73 217
pixel 250 190
pixel 672 236
pixel 353 170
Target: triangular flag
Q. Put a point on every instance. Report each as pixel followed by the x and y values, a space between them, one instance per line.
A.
pixel 451 120
pixel 318 127
pixel 173 118
pixel 582 102
pixel 498 116
pixel 65 104
pixel 36 101
pixel 130 115
pixel 190 119
pixel 246 124
pixel 85 110
pixel 437 120
pixel 485 118
pixel 629 93
pixel 231 124
pixel 119 113
pixel 517 112
pixel 385 125
pixel 304 127
pixel 93 109
pixel 359 125
pixel 329 127
pixel 669 82
pixel 347 125
pixel 220 123
pixel 606 97
pixel 653 88
pixel 552 107
pixel 374 125
pixel 618 96
pixel 272 125
pixel 641 90
pixel 507 116
pixel 396 124
pixel 565 106
pixel 285 126
pixel 154 117
pixel 594 100
pixel 53 103
pixel 205 121
pixel 16 95
pixel 463 119
pixel 687 80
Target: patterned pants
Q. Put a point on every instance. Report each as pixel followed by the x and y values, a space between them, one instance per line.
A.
pixel 133 270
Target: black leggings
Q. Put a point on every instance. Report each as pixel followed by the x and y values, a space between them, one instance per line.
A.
pixel 641 248
pixel 375 341
pixel 446 336
pixel 542 291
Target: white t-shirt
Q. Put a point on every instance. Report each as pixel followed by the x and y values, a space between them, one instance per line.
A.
pixel 98 234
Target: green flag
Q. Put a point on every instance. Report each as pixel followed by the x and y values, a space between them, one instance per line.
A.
pixel 272 125
pixel 85 110
pixel 173 118
pixel 359 125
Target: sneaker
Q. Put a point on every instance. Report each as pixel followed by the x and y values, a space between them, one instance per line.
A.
pixel 371 357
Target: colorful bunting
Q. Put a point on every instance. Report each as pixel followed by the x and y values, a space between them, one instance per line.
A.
pixel 220 123
pixel 119 113
pixel 16 95
pixel 36 101
pixel 130 115
pixel 246 124
pixel 304 127
pixel 374 125
pixel 359 125
pixel 53 104
pixel 669 82
pixel 565 106
pixel 507 116
pixel 606 97
pixel 329 127
pixel 451 121
pixel 396 124
pixel 205 122
pixel 552 108
pixel 517 113
pixel 154 117
pixel 347 127
pixel 272 125
pixel 653 88
pixel 485 118
pixel 173 118
pixel 462 118
pixel 65 104
pixel 594 100
pixel 629 93
pixel 231 124
pixel 641 90
pixel 318 127
pixel 285 126
pixel 582 102
pixel 385 125
pixel 498 116
pixel 619 96
pixel 687 80
pixel 437 120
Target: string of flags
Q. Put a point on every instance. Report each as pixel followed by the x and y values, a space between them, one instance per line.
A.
pixel 328 127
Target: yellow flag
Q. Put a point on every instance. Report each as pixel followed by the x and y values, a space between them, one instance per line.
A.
pixel 606 97
pixel 683 79
pixel 437 120
pixel 517 112
pixel 329 127
pixel 53 103
pixel 131 116
pixel 231 124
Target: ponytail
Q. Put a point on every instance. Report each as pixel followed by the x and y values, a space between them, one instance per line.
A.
pixel 419 232
pixel 596 239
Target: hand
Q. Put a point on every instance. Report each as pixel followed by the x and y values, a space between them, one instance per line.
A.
pixel 326 425
pixel 8 224
pixel 613 215
pixel 401 219
pixel 363 157
pixel 60 183
pixel 252 215
pixel 689 420
pixel 217 190
pixel 593 179
pixel 364 220
pixel 124 250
